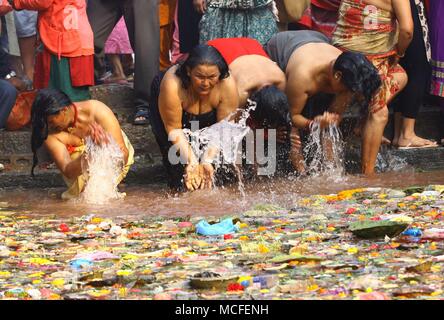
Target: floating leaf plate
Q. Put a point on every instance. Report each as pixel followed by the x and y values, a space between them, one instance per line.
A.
pixel 377 229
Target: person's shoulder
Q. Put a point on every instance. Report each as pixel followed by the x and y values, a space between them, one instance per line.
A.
pixel 93 103
pixel 227 83
pixel 55 139
pixel 93 106
pixel 302 76
pixel 170 81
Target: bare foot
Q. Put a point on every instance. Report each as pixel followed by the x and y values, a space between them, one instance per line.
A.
pixel 116 79
pixel 385 141
pixel 357 133
pixel 416 142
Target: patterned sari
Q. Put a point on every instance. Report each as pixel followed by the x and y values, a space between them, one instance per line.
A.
pixel 436 15
pixel 238 18
pixel 357 31
pixel 322 16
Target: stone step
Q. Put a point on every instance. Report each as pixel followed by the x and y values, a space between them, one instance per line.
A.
pixel 16 155
pixel 142 172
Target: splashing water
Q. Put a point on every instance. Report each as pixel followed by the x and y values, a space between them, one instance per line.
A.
pixel 104 166
pixel 325 147
pixel 226 136
pixel 388 161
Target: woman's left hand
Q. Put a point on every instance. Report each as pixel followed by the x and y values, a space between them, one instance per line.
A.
pixel 207 174
pixel 98 135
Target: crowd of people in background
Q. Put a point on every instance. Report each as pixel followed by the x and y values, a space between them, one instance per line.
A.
pixel 203 59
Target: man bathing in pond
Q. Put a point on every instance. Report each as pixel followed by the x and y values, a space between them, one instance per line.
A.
pixel 200 89
pixel 313 66
pixel 62 127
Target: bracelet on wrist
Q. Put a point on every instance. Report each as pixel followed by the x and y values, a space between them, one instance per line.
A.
pixel 308 124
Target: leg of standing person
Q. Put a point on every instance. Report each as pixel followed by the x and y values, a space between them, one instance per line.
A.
pixel 26 26
pixel 8 94
pixel 128 65
pixel 142 22
pixel 167 9
pixel 103 15
pixel 27 50
pixel 374 128
pixel 410 100
pixel 118 73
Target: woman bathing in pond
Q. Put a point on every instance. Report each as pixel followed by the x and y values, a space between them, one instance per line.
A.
pixel 316 70
pixel 382 31
pixel 200 89
pixel 62 125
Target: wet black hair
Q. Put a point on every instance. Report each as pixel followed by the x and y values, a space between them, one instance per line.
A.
pixel 272 107
pixel 359 75
pixel 202 54
pixel 47 102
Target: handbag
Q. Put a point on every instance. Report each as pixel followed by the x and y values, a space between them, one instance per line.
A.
pixel 20 115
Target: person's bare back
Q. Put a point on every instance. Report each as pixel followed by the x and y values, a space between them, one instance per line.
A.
pixel 253 72
pixel 306 66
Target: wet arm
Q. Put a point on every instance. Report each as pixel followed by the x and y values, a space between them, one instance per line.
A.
pixel 170 108
pixel 107 120
pixel 297 99
pixel 229 103
pixel 340 104
pixel 69 168
pixel 405 22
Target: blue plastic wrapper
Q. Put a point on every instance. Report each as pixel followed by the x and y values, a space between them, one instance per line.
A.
pixel 224 227
pixel 413 232
pixel 79 264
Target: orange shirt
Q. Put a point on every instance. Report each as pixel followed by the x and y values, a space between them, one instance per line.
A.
pixel 63 26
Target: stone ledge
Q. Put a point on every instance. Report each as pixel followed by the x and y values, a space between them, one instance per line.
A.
pixel 44 178
pixel 114 95
pixel 15 147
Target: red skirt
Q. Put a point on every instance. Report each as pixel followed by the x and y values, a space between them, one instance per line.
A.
pixel 81 70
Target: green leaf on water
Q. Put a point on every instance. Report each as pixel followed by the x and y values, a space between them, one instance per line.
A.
pixel 414 189
pixel 377 229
